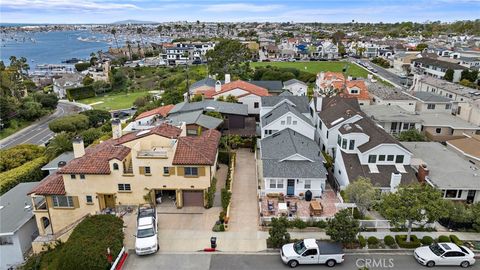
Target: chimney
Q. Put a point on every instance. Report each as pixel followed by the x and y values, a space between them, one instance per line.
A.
pixel 78 147
pixel 395 180
pixel 218 86
pixel 116 128
pixel 227 78
pixel 423 172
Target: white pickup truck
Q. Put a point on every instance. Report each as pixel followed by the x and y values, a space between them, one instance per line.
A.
pixel 311 251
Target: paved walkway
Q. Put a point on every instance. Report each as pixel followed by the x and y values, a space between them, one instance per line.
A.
pixel 221 176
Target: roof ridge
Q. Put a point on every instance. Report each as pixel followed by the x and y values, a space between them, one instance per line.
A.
pixel 186 141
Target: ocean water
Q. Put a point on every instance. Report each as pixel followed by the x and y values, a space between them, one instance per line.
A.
pixel 50 47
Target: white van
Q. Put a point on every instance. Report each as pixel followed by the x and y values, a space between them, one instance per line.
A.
pixel 146 239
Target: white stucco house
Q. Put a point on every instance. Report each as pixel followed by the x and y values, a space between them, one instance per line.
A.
pixel 296 87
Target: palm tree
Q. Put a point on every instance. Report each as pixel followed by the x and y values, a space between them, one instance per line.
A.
pixel 140 31
pixel 129 46
pixel 114 33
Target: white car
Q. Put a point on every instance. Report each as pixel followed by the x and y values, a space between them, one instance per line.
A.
pixel 444 254
pixel 146 239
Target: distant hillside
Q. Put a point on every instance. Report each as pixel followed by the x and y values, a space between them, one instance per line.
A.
pixel 133 22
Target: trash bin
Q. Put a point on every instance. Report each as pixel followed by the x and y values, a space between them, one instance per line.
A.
pixel 213 242
pixel 308 196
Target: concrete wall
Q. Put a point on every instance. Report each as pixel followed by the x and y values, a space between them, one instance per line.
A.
pixel 11 255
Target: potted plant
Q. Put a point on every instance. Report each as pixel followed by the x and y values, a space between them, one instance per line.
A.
pixel 301 195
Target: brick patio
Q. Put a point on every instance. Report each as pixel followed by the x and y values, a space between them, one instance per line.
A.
pixel 328 201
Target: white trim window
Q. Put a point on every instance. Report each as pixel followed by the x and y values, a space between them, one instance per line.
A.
pixel 62 201
pixel 276 183
pixel 307 184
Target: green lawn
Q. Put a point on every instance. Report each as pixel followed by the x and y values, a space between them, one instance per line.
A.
pixel 114 101
pixel 316 67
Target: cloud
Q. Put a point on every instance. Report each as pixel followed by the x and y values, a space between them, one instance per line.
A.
pixel 241 7
pixel 66 4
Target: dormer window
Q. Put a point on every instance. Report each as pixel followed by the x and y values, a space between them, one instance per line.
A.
pixel 115 166
pixel 354 91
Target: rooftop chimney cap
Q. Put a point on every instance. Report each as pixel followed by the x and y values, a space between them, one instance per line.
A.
pixel 77 139
pixel 61 163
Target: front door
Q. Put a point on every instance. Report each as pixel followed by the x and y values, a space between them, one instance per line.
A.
pixel 291 187
pixel 109 200
pixel 471 196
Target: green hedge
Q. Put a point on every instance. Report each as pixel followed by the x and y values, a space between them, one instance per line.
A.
pixel 427 240
pixel 362 241
pixel 28 172
pixel 226 196
pixel 79 93
pixel 443 239
pixel 372 240
pixel 210 194
pixel 402 241
pixel 389 240
pixel 20 154
pixel 87 246
pixel 224 157
pixel 456 240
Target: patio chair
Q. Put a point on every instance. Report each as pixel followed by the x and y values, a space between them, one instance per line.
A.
pixel 270 206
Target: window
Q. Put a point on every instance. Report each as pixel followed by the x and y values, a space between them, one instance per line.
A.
pixel 282 122
pixel 351 146
pixel 431 106
pixel 115 166
pixel 192 131
pixel 124 187
pixel 339 140
pixel 166 170
pixel 448 106
pixel 72 176
pixel 147 170
pixel 294 122
pixel 438 130
pixel 353 91
pixel 320 125
pixel 6 240
pixel 344 143
pixel 372 158
pixel 191 171
pixel 308 184
pixel 459 195
pixel 405 126
pixel 82 176
pixel 276 183
pixel 310 252
pixel 255 105
pixel 62 201
pixel 289 120
pixel 390 157
pixel 89 199
pixel 327 134
pixel 451 193
pixel 399 159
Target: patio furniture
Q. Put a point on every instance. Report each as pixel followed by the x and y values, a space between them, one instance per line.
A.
pixel 271 208
pixel 282 208
pixel 293 208
pixel 316 208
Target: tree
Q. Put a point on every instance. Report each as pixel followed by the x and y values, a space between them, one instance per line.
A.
pixel 469 75
pixel 87 80
pixel 231 99
pixel 411 135
pixel 62 142
pixel 82 66
pixel 18 155
pixel 49 101
pixel 97 117
pixel 197 97
pixel 214 114
pixel 140 102
pixel 362 193
pixel 449 75
pixel 343 227
pixel 229 57
pixel 31 110
pixel 114 33
pixel 90 135
pixel 421 46
pixel 278 235
pixel 140 31
pixel 69 123
pixel 338 36
pixel 411 204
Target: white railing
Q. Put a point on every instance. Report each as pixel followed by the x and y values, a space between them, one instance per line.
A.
pixel 118 259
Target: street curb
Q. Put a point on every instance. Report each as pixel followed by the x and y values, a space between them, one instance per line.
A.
pixel 378 75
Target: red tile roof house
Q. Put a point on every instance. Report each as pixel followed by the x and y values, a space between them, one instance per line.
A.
pixel 148 119
pixel 245 92
pixel 123 171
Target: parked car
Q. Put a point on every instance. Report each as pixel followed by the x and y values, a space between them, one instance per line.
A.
pixel 146 210
pixel 146 239
pixel 444 254
pixel 311 251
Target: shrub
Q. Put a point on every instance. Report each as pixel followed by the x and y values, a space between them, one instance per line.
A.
pixel 28 172
pixel 82 66
pixel 427 240
pixel 86 247
pixel 69 123
pixel 218 228
pixel 320 224
pixel 362 241
pixel 372 240
pixel 389 240
pixel 278 235
pixel 18 155
pixel 456 240
pixel 226 196
pixel 79 93
pixel 443 238
pixel 402 241
pixel 222 216
pixel 210 195
pixel 298 223
pixel 224 157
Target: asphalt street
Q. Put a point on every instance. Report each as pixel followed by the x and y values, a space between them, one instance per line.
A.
pixel 270 262
pixel 38 133
pixel 383 72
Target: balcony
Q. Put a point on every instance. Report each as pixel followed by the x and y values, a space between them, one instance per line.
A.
pixel 156 152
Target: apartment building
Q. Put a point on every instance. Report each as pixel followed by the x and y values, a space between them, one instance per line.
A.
pixel 436 68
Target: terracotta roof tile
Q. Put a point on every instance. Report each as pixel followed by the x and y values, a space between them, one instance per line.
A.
pixel 197 150
pixel 163 111
pixel 249 87
pixel 362 95
pixel 50 185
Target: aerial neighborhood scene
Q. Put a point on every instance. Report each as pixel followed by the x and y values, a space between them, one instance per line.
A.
pixel 219 134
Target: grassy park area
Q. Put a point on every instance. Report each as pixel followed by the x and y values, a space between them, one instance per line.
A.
pixel 316 67
pixel 114 101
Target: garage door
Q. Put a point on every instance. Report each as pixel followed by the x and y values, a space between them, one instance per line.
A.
pixel 192 198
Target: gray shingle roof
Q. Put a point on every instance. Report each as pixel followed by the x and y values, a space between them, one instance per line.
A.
pixel 430 97
pixel 334 108
pixel 271 86
pixel 292 143
pixel 196 117
pixel 281 110
pixel 204 82
pixel 292 81
pixel 67 156
pixel 301 102
pixel 220 106
pixel 438 63
pixel 13 213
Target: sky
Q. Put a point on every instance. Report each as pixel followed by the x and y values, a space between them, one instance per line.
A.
pixel 107 11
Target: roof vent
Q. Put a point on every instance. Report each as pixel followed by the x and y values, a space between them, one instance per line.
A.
pixel 143 132
pixel 61 164
pixel 276 134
